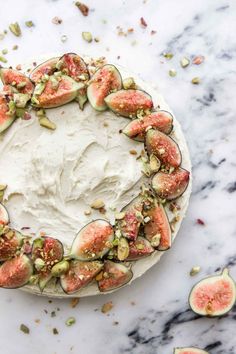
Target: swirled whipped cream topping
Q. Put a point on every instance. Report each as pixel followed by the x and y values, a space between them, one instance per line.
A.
pixel 54 176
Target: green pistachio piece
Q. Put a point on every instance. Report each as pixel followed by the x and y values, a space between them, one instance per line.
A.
pixel 12 107
pixel 87 36
pixel 38 243
pixel 34 100
pixel 4 51
pixel 123 249
pixel 168 55
pixel 3 59
pixel 21 85
pixel 20 112
pixel 29 24
pixel 60 268
pixel 41 113
pixel 39 88
pixel 55 82
pixel 15 29
pixel 194 271
pixel 195 81
pixel 46 123
pixel 70 321
pixel 184 62
pixel 172 72
pixel 129 83
pixel 21 99
pixel 24 329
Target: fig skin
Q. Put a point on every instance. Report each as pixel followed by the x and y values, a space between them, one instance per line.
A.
pixel 74 66
pixel 115 275
pixel 5 119
pixel 128 103
pixel 163 147
pixel 161 120
pixel 130 224
pixel 79 275
pixel 105 80
pixel 8 76
pixel 213 296
pixel 15 272
pixel 136 251
pixel 46 68
pixel 10 245
pixel 4 216
pixel 158 228
pixel 170 185
pixel 189 350
pixel 93 241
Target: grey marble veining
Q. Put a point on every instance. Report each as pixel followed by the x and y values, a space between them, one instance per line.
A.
pixel 160 319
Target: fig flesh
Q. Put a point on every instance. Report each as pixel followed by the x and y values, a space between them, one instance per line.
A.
pixel 15 272
pixel 170 185
pixel 6 117
pixel 128 103
pixel 17 80
pixel 157 231
pixel 139 249
pixel 163 147
pixel 114 276
pixel 107 79
pixel 10 243
pixel 189 350
pixel 93 241
pixel 129 225
pixel 214 295
pixel 4 216
pixel 161 120
pixel 79 275
pixel 46 68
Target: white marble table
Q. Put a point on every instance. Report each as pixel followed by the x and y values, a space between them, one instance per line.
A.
pixel 160 318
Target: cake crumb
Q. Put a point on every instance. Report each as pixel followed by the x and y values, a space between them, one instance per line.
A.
pixel 133 152
pixel 107 307
pixel 87 212
pixel 74 302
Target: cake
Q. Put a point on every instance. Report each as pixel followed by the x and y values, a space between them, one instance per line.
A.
pixel 103 185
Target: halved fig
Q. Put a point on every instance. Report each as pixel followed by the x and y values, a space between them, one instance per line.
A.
pixel 189 350
pixel 79 275
pixel 157 231
pixel 170 185
pixel 74 66
pixel 55 96
pixel 107 79
pixel 18 80
pixel 139 249
pixel 6 117
pixel 114 276
pixel 15 272
pixel 161 120
pixel 132 217
pixel 128 103
pixel 93 241
pixel 164 147
pixel 46 68
pixel 214 295
pixel 4 216
pixel 10 243
pixel 46 253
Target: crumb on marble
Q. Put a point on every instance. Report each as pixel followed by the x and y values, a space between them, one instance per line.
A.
pixel 107 307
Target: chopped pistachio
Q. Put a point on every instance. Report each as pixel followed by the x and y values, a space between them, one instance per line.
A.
pixel 168 55
pixel 54 82
pixel 46 123
pixel 15 29
pixel 15 47
pixel 34 279
pixel 154 163
pixel 172 72
pixel 97 204
pixel 3 59
pixel 123 249
pixel 184 62
pixel 155 241
pixel 34 100
pixel 64 38
pixel 55 331
pixel 70 321
pixel 11 107
pixel 194 271
pixel 107 307
pixel 87 36
pixel 87 212
pixel 4 51
pixel 21 99
pixel 56 20
pixel 29 24
pixel 21 85
pixel 133 152
pixel 24 329
pixel 120 216
pixel 39 263
pixel 39 88
pixel 3 187
pixel 129 83
pixel 195 81
pixel 60 268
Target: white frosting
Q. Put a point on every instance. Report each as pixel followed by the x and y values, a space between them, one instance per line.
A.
pixel 53 176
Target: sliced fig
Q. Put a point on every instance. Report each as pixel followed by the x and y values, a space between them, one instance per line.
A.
pixel 46 68
pixel 46 253
pixel 93 241
pixel 4 216
pixel 79 275
pixel 18 80
pixel 52 95
pixel 170 185
pixel 107 79
pixel 164 147
pixel 128 103
pixel 161 120
pixel 139 249
pixel 189 350
pixel 82 97
pixel 132 217
pixel 15 272
pixel 10 243
pixel 114 276
pixel 74 66
pixel 157 231
pixel 214 295
pixel 6 117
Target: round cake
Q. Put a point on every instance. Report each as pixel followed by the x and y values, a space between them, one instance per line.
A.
pixel 96 191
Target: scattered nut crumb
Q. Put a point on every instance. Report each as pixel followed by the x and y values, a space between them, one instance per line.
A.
pixel 87 36
pixel 84 9
pixel 105 124
pixel 143 22
pixel 37 320
pixel 74 302
pixel 153 32
pixel 107 307
pixel 18 67
pixel 133 152
pixel 195 270
pixel 56 20
pixel 198 60
pixel 200 222
pixel 55 331
pixel 24 329
pixel 97 204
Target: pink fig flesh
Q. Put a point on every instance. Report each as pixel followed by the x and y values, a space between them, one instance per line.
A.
pixel 130 224
pixel 5 119
pixel 74 66
pixel 9 244
pixel 46 68
pixel 15 272
pixel 14 78
pixel 139 249
pixel 114 276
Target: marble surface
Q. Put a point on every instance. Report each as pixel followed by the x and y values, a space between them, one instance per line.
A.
pixel 152 315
